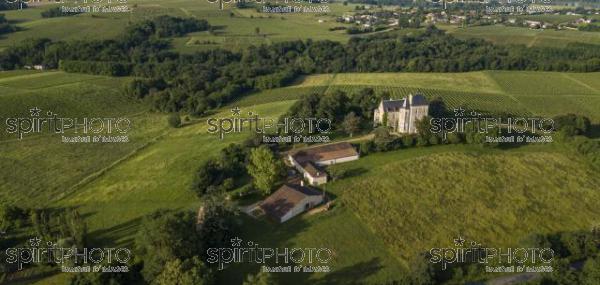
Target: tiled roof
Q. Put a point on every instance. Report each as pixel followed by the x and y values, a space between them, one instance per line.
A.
pixel 392 105
pixel 313 170
pixel 285 199
pixel 324 152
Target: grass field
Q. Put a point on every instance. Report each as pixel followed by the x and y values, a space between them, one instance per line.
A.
pixel 418 199
pixel 515 92
pixel 40 170
pixel 500 34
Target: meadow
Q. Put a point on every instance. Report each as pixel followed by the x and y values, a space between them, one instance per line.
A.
pixel 422 198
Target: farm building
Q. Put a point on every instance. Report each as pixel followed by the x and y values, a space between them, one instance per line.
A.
pixel 309 161
pixel 291 200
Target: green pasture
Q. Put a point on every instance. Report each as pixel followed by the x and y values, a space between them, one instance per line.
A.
pixel 500 34
pixel 417 199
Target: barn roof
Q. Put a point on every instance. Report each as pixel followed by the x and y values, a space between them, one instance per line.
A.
pixel 324 152
pixel 286 198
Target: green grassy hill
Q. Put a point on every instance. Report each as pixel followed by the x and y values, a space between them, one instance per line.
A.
pixel 416 200
pixel 394 206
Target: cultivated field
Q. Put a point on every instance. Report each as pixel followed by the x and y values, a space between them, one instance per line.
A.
pixel 235 28
pixel 501 34
pixel 514 92
pixel 39 165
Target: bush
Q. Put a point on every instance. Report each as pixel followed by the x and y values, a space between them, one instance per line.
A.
pixel 366 147
pixel 572 124
pixel 408 141
pixel 338 174
pixel 174 120
pixel 454 138
pixel 433 140
pixel 422 141
pixel 56 12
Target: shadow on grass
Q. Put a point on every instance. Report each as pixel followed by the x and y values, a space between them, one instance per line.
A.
pixel 265 233
pixel 354 274
pixel 594 132
pixel 121 235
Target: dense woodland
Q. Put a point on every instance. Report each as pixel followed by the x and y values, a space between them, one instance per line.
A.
pixel 205 80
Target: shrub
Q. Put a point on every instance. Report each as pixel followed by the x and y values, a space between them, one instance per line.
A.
pixel 454 138
pixel 408 141
pixel 422 141
pixel 366 147
pixel 174 120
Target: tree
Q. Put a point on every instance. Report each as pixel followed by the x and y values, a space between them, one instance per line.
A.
pixel 333 107
pixel 366 147
pixel 111 278
pixel 189 272
pixel 572 124
pixel 174 120
pixel 209 174
pixel 364 103
pixel 591 271
pixel 382 135
pixel 382 139
pixel 215 221
pixel 164 236
pixel 437 108
pixel 11 216
pixel 262 278
pixel 351 123
pixel 265 168
pixel 423 127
